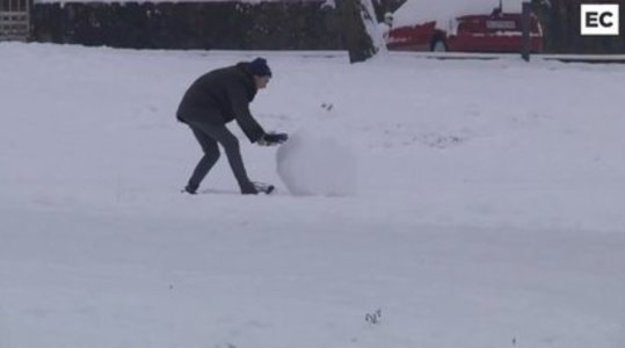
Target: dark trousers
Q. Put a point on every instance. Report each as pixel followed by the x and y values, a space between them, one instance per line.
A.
pixel 209 135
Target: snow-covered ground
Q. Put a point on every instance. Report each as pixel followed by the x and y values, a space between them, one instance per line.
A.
pixel 487 209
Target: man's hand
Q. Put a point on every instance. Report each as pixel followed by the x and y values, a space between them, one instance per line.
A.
pixel 270 139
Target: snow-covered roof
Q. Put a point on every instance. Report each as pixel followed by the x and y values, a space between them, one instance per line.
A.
pixel 420 11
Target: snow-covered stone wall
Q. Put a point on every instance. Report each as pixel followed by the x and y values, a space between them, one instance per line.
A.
pixel 305 25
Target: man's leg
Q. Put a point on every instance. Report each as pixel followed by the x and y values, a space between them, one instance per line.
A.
pixel 231 146
pixel 211 155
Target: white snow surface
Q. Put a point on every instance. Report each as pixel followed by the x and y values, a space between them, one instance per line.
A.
pixel 488 211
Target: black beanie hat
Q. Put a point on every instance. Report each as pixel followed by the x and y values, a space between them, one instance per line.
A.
pixel 259 67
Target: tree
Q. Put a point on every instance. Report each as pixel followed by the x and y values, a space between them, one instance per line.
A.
pixel 362 38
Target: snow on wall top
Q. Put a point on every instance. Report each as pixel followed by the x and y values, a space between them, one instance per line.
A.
pixel 146 1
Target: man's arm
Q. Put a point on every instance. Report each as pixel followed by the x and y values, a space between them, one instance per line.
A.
pixel 242 114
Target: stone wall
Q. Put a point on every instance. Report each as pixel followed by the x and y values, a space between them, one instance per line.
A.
pixel 306 25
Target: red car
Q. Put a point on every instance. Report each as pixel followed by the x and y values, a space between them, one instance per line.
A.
pixel 495 32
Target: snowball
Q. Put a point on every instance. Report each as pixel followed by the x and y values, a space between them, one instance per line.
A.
pixel 317 164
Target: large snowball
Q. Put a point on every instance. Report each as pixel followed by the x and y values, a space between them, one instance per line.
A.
pixel 317 164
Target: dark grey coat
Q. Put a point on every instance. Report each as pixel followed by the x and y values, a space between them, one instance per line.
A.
pixel 221 96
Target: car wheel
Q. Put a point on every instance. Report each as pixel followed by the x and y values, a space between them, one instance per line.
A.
pixel 439 46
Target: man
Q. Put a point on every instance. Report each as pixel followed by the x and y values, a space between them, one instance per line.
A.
pixel 216 98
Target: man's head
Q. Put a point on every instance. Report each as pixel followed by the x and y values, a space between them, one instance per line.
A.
pixel 261 72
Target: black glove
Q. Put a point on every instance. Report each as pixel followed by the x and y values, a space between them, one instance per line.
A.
pixel 269 139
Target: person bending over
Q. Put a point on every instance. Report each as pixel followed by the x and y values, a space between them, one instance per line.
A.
pixel 215 99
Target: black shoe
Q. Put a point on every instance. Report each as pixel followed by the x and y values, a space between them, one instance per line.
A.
pixel 249 189
pixel 189 190
pixel 263 187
